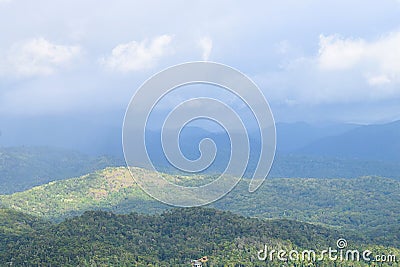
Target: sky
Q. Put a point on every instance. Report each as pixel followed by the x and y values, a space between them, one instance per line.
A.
pixel 315 61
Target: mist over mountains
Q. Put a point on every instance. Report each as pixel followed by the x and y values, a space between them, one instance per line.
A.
pixel 379 142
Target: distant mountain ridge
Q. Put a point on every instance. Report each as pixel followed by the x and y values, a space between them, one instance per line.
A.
pixel 369 142
pixel 303 150
pixel 321 139
pixel 294 136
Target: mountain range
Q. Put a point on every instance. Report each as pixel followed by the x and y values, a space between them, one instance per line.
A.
pixel 369 142
pixel 303 150
pixel 375 142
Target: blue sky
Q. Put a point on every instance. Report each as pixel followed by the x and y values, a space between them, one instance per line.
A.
pixel 314 60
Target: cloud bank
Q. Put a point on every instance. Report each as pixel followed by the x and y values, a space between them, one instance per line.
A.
pixel 307 58
pixel 378 60
pixel 37 57
pixel 135 56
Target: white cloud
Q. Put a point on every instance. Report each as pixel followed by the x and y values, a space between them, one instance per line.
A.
pixel 134 56
pixel 206 45
pixel 37 57
pixel 378 60
pixel 340 54
pixel 345 71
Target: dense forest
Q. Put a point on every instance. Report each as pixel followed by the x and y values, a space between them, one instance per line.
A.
pixel 104 219
pixel 172 238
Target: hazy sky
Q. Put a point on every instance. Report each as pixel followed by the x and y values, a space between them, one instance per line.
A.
pixel 314 60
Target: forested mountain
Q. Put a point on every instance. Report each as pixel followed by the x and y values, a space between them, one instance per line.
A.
pixel 173 238
pixel 54 224
pixel 24 167
pixel 366 203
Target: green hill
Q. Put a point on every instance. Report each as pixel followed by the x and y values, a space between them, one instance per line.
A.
pixel 170 239
pixel 368 204
pixel 106 189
